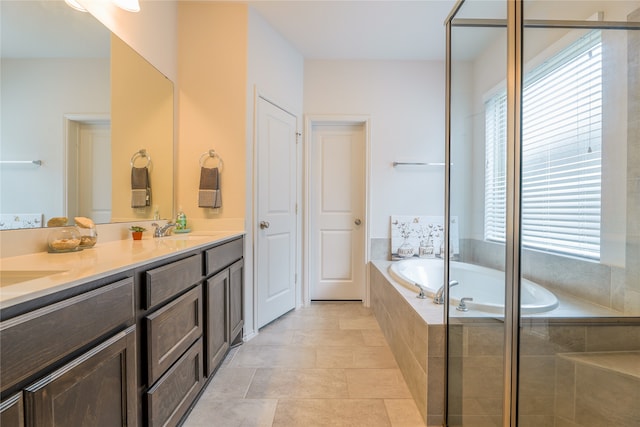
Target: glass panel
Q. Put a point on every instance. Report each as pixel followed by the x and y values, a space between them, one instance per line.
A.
pixel 580 361
pixel 476 271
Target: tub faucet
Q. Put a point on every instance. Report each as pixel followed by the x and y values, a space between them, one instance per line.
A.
pixel 420 295
pixel 162 231
pixel 439 297
pixel 463 304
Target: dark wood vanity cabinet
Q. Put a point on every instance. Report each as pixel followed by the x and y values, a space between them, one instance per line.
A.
pixel 12 411
pixel 173 339
pixel 72 362
pixel 217 313
pixel 195 311
pixel 236 295
pixel 95 389
pixel 172 395
pixel 223 301
pixel 128 352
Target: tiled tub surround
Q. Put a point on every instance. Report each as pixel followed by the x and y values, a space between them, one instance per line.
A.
pixel 564 364
pixel 414 330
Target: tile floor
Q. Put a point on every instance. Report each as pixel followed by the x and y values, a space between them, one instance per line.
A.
pixel 324 365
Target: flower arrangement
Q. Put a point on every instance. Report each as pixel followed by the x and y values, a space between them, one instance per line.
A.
pixel 405 229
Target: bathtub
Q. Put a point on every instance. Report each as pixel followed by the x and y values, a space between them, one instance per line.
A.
pixel 484 285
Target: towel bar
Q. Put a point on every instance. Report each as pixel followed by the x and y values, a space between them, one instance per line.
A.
pixel 418 164
pixel 21 162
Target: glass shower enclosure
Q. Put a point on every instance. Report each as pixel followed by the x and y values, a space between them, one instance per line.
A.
pixel 543 176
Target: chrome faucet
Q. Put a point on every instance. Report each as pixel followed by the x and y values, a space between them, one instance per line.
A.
pixel 463 304
pixel 439 296
pixel 162 231
pixel 421 294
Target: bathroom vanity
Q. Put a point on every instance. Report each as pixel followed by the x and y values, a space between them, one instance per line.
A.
pixel 126 333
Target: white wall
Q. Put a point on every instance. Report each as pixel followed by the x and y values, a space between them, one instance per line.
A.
pixel 405 103
pixel 36 93
pixel 275 70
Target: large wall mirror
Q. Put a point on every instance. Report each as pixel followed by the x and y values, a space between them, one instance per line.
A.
pixel 78 107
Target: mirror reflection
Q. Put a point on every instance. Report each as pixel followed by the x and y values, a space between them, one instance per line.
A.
pixel 80 102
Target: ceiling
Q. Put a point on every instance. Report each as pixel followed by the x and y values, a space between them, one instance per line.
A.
pixel 364 29
pixel 386 30
pixel 49 29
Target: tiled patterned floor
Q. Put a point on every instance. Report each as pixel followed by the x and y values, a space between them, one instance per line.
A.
pixel 324 365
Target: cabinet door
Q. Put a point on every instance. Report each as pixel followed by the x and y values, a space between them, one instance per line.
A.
pixel 236 290
pixel 216 310
pixel 96 389
pixel 171 330
pixel 11 412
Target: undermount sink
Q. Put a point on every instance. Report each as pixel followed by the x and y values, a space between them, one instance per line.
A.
pixel 11 277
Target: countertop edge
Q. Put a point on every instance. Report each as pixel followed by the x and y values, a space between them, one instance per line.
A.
pixel 98 263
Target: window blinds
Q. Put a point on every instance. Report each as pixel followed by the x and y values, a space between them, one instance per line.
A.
pixel 561 154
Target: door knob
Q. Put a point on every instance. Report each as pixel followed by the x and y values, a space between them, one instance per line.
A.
pixel 264 224
pixel 357 221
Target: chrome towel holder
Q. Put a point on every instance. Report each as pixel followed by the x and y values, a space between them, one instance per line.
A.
pixel 211 154
pixel 142 153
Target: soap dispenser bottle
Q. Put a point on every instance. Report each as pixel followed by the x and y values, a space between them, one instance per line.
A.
pixel 181 220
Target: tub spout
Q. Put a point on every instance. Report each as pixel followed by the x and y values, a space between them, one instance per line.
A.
pixel 439 297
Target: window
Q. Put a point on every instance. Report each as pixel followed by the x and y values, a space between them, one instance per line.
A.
pixel 561 153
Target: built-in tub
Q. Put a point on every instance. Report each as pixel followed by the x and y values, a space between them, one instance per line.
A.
pixel 484 285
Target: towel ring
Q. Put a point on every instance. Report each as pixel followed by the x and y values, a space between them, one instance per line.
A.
pixel 211 154
pixel 142 153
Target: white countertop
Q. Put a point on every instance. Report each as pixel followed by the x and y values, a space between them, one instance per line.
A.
pixel 65 270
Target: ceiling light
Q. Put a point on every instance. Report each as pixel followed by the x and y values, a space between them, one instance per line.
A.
pixel 128 5
pixel 74 4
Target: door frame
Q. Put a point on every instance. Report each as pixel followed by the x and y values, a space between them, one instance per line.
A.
pixel 310 122
pixel 257 94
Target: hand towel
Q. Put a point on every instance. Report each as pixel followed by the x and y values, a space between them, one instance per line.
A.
pixel 140 187
pixel 209 195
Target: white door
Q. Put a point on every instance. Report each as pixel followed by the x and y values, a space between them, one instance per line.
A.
pixel 89 168
pixel 276 235
pixel 94 172
pixel 337 207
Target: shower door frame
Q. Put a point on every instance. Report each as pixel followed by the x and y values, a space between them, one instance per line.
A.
pixel 515 24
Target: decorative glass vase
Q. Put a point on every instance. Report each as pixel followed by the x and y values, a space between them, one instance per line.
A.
pixel 88 237
pixel 405 250
pixel 64 239
pixel 426 249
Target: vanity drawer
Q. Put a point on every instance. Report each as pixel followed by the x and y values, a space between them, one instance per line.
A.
pixel 35 340
pixel 169 399
pixel 171 330
pixel 221 256
pixel 164 282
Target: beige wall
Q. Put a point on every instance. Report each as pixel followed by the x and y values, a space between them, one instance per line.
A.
pixel 141 118
pixel 212 70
